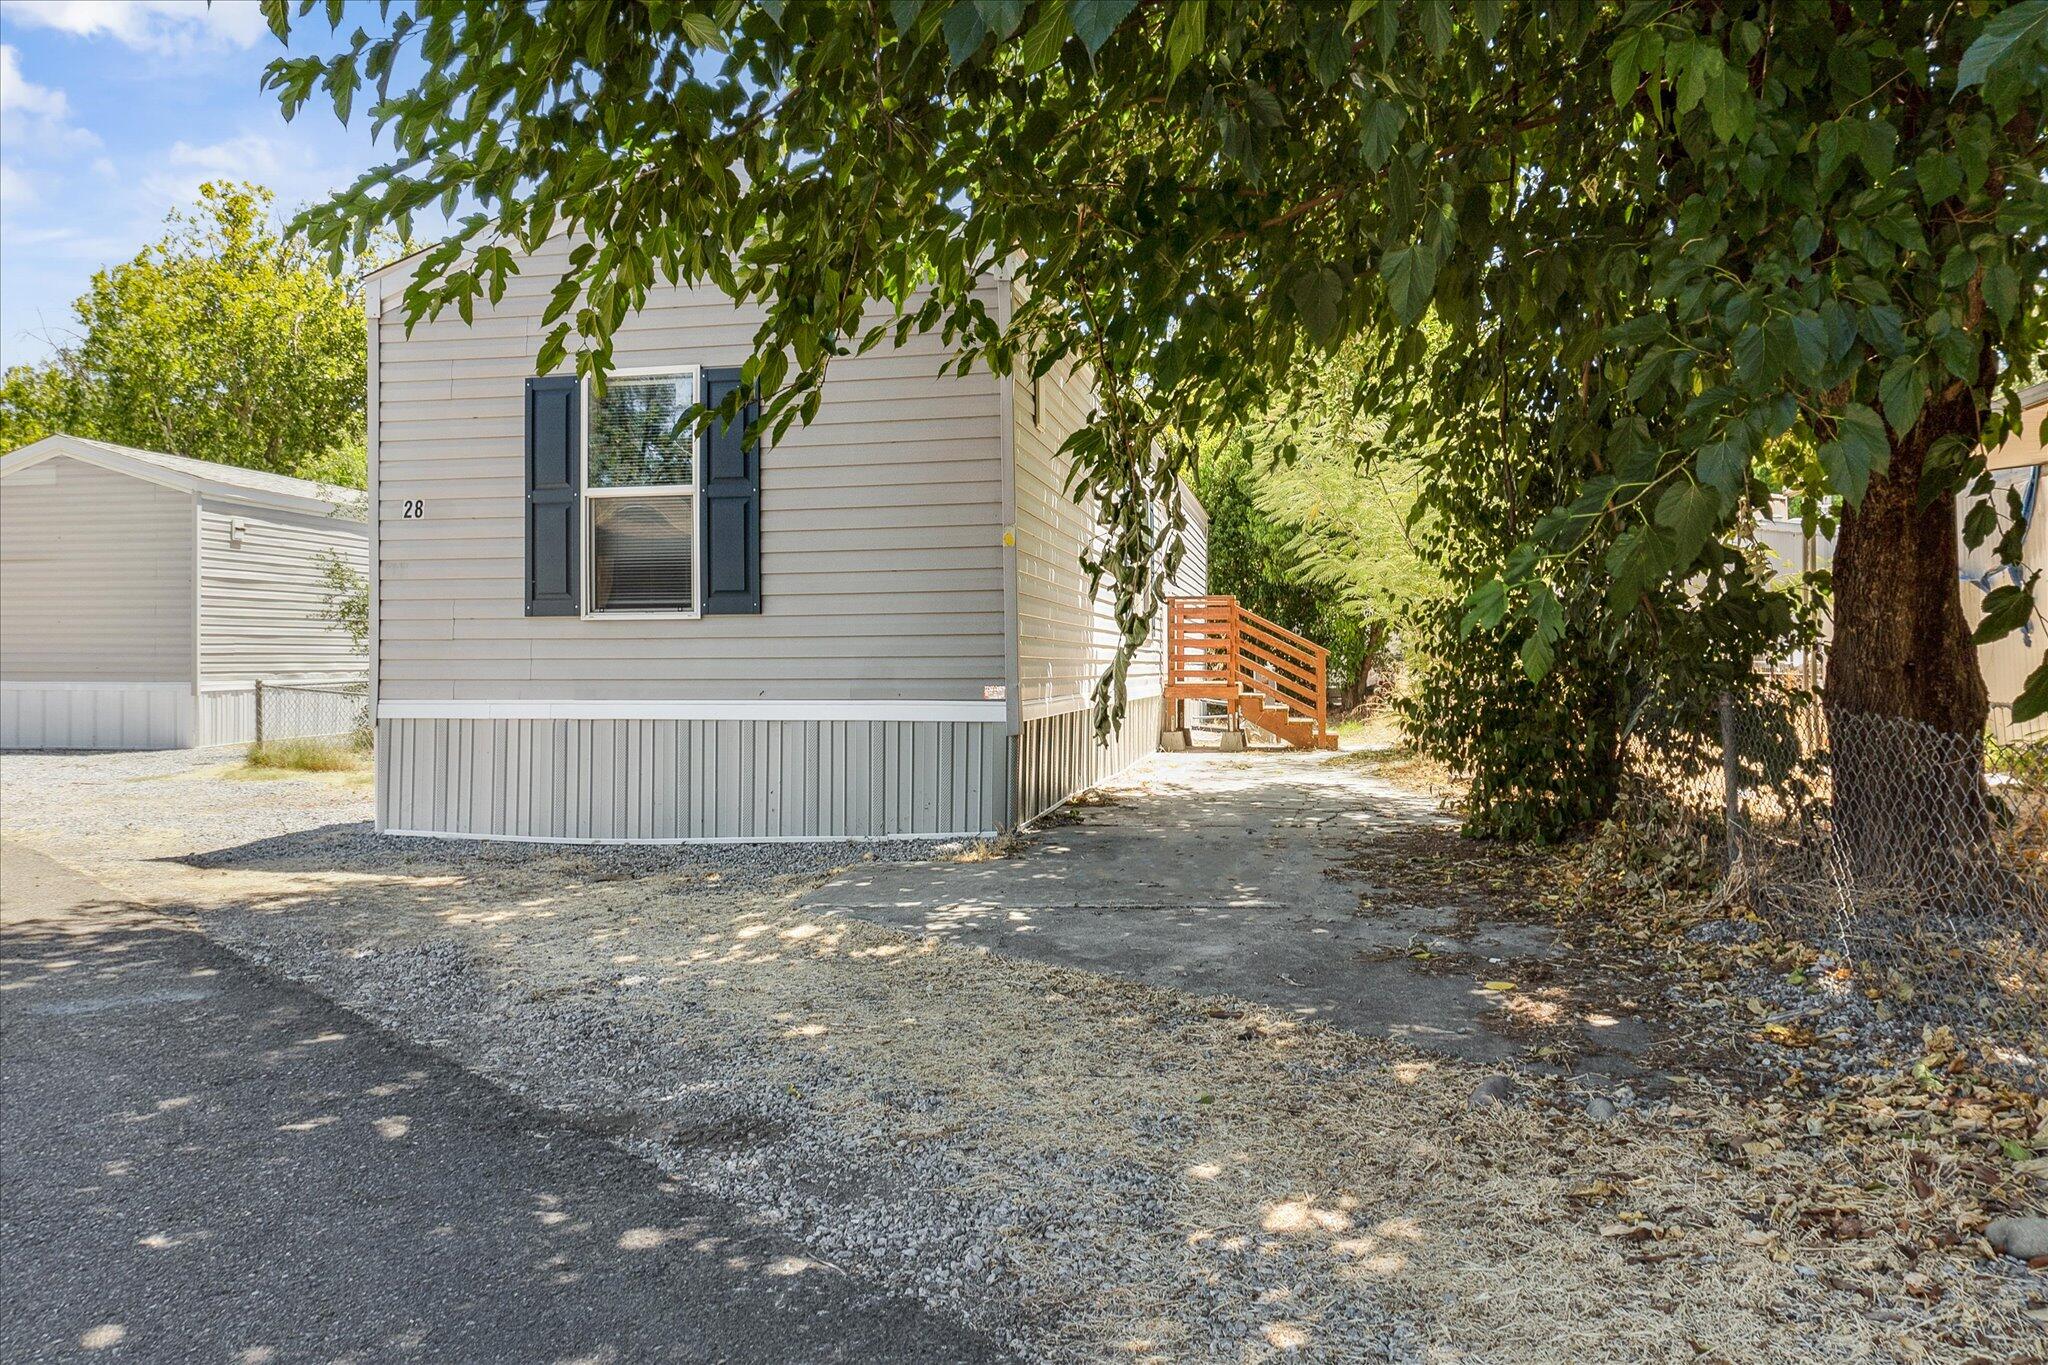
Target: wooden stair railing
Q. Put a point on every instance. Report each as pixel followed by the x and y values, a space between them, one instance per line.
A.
pixel 1216 650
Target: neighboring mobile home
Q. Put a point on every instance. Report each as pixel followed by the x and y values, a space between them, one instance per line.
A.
pixel 144 596
pixel 587 630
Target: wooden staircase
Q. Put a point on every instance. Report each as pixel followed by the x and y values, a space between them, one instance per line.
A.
pixel 1264 673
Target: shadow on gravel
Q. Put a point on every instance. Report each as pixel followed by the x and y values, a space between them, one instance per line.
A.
pixel 221 1164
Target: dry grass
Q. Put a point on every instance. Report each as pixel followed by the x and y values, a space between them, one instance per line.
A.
pixel 1179 1166
pixel 307 756
pixel 1190 1163
pixel 1378 746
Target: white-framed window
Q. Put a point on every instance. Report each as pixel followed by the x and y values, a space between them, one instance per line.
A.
pixel 640 483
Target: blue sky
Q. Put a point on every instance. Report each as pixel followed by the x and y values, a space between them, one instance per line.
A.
pixel 112 113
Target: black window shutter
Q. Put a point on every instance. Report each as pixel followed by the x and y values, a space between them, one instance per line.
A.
pixel 731 517
pixel 554 496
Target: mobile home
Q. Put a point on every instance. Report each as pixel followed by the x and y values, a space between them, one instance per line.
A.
pixel 587 629
pixel 144 598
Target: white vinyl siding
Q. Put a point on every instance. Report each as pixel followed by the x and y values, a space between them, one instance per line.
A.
pixel 95 577
pixel 881 556
pixel 1067 634
pixel 263 601
pixel 1191 575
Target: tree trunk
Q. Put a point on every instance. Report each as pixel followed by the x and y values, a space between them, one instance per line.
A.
pixel 1902 644
pixel 1902 653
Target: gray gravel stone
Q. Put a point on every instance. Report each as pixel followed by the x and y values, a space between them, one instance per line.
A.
pixel 1600 1109
pixel 1492 1093
pixel 2019 1236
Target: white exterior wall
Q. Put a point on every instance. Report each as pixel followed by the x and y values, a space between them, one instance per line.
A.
pixel 263 595
pixel 1066 632
pixel 856 704
pixel 96 637
pixel 881 526
pixel 263 616
pixel 95 577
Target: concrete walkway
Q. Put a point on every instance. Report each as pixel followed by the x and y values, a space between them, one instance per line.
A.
pixel 204 1162
pixel 1253 875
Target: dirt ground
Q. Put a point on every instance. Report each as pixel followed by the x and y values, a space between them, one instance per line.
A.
pixel 1086 1167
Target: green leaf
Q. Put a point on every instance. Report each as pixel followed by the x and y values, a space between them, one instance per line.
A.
pixel 1184 38
pixel 1001 17
pixel 1318 296
pixel 1625 71
pixel 1537 656
pixel 1811 336
pixel 964 30
pixel 1902 391
pixel 2006 608
pixel 1436 26
pixel 1754 366
pixel 1047 34
pixel 700 30
pixel 1095 20
pixel 2001 288
pixel 1938 176
pixel 1382 123
pixel 1978 523
pixel 1329 53
pixel 2025 24
pixel 1486 15
pixel 1690 512
pixel 1859 450
pixel 2033 698
pixel 1410 274
pixel 1724 467
pixel 1485 607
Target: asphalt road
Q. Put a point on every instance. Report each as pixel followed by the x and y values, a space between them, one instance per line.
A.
pixel 199 1161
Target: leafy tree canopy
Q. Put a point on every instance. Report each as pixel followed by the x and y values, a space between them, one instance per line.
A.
pixel 1681 254
pixel 227 340
pixel 1309 524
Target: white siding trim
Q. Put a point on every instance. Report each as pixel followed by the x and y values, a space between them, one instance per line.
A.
pixel 13 686
pixel 373 565
pixel 586 528
pixel 693 710
pixel 708 839
pixel 1006 416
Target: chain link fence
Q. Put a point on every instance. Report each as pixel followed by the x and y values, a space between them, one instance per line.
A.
pixel 1918 857
pixel 336 708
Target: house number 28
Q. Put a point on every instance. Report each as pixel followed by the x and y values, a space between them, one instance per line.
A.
pixel 414 508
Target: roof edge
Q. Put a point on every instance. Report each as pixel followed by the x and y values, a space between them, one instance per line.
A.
pixel 119 461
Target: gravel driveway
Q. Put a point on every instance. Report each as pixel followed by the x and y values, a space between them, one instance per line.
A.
pixel 1083 1167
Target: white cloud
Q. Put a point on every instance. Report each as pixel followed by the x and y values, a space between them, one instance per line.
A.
pixel 36 118
pixel 16 190
pixel 174 27
pixel 19 95
pixel 289 169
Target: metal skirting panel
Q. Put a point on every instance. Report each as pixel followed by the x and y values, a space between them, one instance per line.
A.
pixel 95 715
pixel 1058 756
pixel 646 781
pixel 227 716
